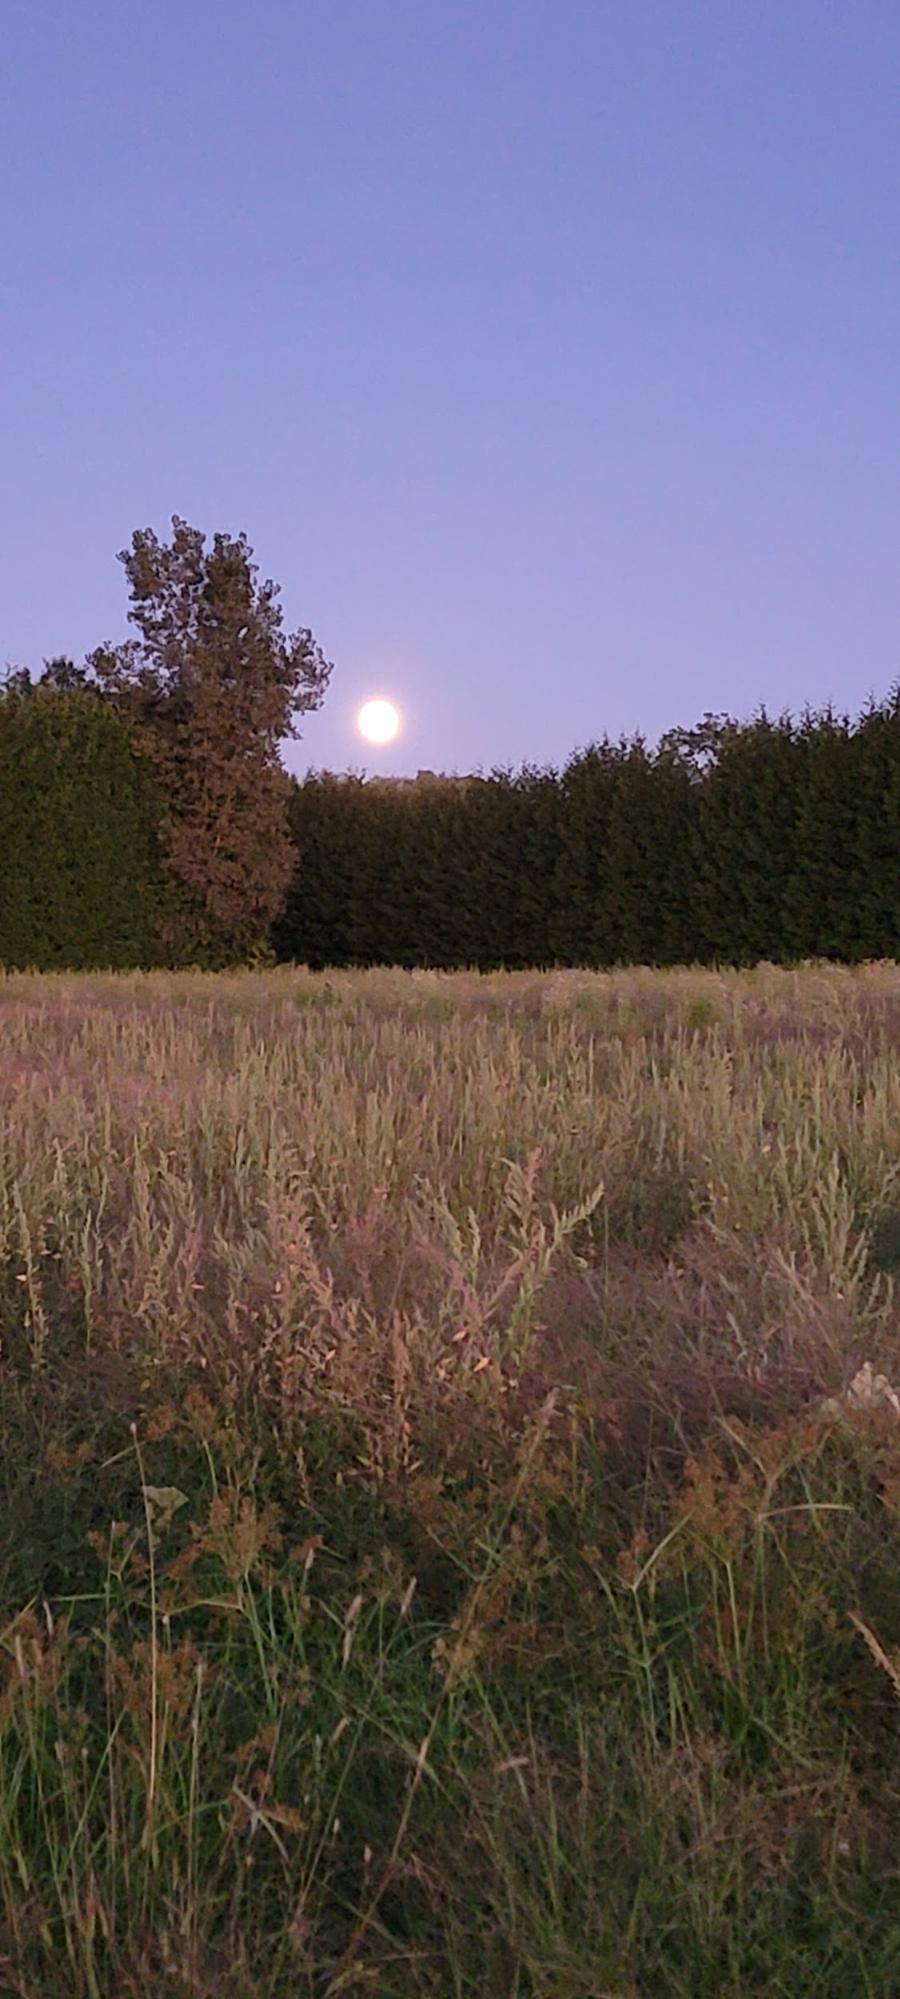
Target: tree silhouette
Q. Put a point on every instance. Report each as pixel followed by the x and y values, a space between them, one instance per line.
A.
pixel 211 687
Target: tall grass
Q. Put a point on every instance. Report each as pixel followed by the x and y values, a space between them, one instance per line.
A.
pixel 443 1549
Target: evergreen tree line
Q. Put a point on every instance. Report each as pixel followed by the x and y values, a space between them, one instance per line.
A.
pixel 146 817
pixel 729 843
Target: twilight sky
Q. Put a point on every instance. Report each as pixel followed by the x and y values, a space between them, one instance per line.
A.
pixel 547 350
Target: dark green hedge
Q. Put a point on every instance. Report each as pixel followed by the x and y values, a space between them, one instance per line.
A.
pixel 79 873
pixel 729 844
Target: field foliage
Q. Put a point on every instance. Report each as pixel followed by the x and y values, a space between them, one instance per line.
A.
pixel 450 1485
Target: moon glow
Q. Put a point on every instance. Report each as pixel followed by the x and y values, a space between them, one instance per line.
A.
pixel 378 721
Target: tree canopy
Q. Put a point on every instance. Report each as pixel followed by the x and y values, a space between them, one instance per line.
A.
pixel 211 687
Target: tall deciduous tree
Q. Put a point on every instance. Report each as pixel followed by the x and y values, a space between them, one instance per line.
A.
pixel 212 686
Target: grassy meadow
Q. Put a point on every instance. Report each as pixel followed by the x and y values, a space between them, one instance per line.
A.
pixel 450 1485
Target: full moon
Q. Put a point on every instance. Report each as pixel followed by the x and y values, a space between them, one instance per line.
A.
pixel 378 721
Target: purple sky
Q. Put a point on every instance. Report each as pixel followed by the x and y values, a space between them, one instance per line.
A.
pixel 547 350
